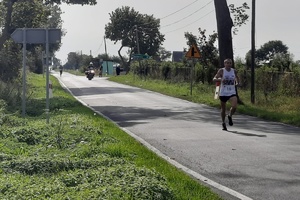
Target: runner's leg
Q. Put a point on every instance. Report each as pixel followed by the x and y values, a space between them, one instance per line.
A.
pixel 223 114
pixel 233 100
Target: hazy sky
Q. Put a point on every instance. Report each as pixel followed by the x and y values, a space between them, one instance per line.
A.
pixel 275 20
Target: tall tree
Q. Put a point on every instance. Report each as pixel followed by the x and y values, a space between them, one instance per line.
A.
pixel 7 7
pixel 225 25
pixel 139 32
pixel 267 52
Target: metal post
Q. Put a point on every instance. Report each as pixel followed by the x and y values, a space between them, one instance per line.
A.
pixel 43 56
pixel 138 45
pixel 137 39
pixel 47 74
pixel 106 57
pixel 24 74
pixel 253 53
pixel 192 76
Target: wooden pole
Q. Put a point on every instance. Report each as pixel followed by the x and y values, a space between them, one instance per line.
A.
pixel 253 53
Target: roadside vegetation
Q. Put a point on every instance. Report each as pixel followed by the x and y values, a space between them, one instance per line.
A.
pixel 80 155
pixel 277 94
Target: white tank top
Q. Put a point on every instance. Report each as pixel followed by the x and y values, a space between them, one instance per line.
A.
pixel 228 85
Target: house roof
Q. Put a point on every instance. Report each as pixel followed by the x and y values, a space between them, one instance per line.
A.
pixel 177 56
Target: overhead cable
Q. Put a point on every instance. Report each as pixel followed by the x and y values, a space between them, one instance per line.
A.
pixel 178 10
pixel 190 23
pixel 188 15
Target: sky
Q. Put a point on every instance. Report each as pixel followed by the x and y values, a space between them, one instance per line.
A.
pixel 85 25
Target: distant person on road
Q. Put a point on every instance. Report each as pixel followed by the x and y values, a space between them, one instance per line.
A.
pixel 100 71
pixel 118 70
pixel 60 70
pixel 228 78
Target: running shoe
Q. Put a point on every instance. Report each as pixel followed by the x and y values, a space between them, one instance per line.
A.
pixel 224 127
pixel 230 120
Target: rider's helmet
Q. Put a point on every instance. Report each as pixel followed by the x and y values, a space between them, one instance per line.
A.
pixel 91 65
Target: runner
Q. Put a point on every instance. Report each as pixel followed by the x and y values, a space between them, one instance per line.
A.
pixel 229 79
pixel 60 70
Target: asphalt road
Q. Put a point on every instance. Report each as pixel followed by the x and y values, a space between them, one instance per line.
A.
pixel 254 159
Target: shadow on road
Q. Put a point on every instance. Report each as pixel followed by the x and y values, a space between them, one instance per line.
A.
pixel 246 134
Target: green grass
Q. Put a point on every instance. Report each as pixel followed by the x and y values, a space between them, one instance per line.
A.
pixel 276 107
pixel 81 155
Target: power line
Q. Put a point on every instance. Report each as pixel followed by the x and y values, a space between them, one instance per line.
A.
pixel 178 10
pixel 99 47
pixel 191 23
pixel 188 15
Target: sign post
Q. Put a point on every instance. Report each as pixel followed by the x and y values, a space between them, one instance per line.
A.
pixel 192 53
pixel 24 73
pixel 36 36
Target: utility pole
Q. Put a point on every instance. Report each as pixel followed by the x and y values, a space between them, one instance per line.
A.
pixel 253 53
pixel 138 45
pixel 106 56
pixel 137 39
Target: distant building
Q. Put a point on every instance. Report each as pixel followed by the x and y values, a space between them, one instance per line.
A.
pixel 177 56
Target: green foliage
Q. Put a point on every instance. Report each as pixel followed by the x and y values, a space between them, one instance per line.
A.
pixel 129 26
pixel 290 85
pixel 174 72
pixel 166 70
pixel 240 15
pixel 162 54
pixel 282 62
pixel 272 105
pixel 81 2
pixel 267 52
pixel 10 62
pixel 35 12
pixel 28 14
pixel 80 155
pixel 3 10
pixel 10 92
pixel 208 51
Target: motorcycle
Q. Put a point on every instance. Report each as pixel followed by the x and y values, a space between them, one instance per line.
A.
pixel 90 74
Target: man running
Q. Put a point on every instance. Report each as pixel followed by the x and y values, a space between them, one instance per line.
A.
pixel 60 70
pixel 229 79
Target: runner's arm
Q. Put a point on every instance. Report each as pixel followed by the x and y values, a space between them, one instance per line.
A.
pixel 237 78
pixel 218 76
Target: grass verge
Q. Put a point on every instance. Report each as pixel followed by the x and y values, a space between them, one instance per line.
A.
pixel 80 155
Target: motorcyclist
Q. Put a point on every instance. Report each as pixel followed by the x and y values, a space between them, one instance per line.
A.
pixel 91 66
pixel 90 73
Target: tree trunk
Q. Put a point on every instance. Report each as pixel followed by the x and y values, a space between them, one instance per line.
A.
pixel 7 23
pixel 224 26
pixel 124 63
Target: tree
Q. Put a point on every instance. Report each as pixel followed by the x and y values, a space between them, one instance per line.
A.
pixel 139 32
pixel 283 62
pixel 7 6
pixel 209 53
pixel 267 52
pixel 225 25
pixel 240 16
pixel 74 60
pixel 29 14
pixel 162 55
